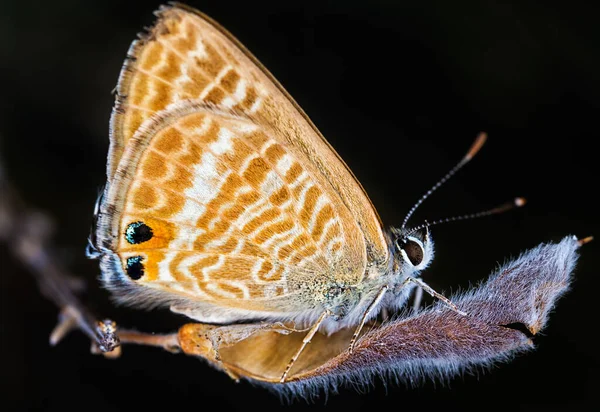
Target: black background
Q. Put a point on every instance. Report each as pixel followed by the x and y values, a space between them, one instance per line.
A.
pixel 400 89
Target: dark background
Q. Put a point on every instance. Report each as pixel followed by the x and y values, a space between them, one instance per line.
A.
pixel 400 89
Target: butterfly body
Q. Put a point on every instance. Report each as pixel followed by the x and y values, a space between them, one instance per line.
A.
pixel 225 203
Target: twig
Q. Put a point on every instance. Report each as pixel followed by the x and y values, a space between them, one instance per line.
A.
pixel 26 232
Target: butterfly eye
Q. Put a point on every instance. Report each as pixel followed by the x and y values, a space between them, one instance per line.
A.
pixel 135 267
pixel 138 232
pixel 413 250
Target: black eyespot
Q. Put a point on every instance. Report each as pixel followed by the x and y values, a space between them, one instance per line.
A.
pixel 135 267
pixel 413 250
pixel 138 232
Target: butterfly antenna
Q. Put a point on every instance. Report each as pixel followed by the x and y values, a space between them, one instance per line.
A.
pixel 515 203
pixel 475 147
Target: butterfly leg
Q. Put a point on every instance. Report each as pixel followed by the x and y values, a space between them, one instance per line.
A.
pixel 433 293
pixel 311 333
pixel 417 300
pixel 385 314
pixel 370 309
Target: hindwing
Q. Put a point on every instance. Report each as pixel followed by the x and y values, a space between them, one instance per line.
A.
pixel 209 206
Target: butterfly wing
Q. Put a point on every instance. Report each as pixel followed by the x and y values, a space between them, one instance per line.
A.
pixel 197 206
pixel 186 55
pixel 208 206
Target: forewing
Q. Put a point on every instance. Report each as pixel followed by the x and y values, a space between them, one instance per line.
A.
pixel 187 56
pixel 211 207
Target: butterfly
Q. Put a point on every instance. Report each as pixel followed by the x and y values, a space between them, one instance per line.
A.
pixel 225 203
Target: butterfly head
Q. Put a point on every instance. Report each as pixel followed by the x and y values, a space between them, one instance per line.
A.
pixel 412 251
